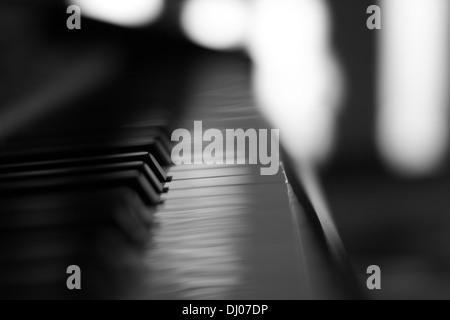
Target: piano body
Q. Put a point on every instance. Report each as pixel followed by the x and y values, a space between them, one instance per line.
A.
pixel 86 177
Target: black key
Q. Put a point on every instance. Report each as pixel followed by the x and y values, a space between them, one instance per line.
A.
pixel 44 153
pixel 86 161
pixel 65 171
pixel 132 179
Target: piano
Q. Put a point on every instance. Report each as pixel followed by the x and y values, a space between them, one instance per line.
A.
pixel 86 176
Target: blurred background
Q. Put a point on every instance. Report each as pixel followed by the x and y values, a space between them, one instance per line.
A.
pixel 367 109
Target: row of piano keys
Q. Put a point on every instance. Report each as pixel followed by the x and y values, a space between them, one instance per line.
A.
pixel 91 184
pixel 90 205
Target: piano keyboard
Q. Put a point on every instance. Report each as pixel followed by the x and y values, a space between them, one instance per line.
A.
pixel 101 193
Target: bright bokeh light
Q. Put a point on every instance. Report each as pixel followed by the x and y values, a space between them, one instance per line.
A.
pixel 128 13
pixel 288 31
pixel 413 117
pixel 296 78
pixel 216 24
